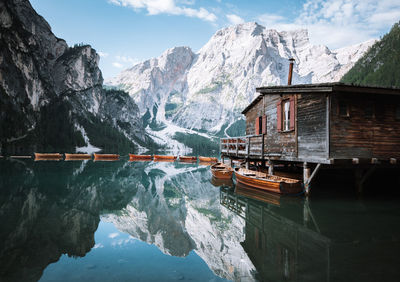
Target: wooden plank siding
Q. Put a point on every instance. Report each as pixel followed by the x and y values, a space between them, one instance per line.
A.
pixel 311 126
pixel 367 128
pixel 278 142
pixel 275 142
pixel 361 135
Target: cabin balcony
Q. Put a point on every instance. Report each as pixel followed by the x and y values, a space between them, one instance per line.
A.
pixel 250 146
pixel 255 147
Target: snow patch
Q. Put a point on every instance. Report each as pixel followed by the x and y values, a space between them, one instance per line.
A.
pixel 89 148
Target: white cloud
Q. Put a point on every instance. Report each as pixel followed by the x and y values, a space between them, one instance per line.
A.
pixel 118 65
pixel 156 7
pixel 234 19
pixel 339 23
pixel 103 54
pixel 127 59
pixel 113 235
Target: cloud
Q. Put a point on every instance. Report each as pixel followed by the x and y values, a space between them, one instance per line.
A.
pixel 113 235
pixel 156 7
pixel 234 19
pixel 126 59
pixel 102 54
pixel 118 65
pixel 339 23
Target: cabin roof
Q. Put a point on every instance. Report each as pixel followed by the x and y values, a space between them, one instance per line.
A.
pixel 320 88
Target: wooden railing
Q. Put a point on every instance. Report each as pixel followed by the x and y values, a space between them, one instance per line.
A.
pixel 244 146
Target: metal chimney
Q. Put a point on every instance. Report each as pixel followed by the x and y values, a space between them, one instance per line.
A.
pixel 291 60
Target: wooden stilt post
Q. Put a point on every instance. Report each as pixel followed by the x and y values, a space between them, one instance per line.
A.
pixel 306 177
pixel 270 168
pixel 231 162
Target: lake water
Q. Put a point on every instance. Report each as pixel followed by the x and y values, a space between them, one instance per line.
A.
pixel 160 221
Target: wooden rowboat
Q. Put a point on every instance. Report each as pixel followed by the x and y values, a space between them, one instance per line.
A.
pixel 208 159
pixel 221 171
pixel 271 183
pixel 106 157
pixel 187 158
pixel 46 156
pixel 133 157
pixel 77 157
pixel 162 158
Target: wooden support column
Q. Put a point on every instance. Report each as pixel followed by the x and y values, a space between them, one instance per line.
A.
pixel 231 162
pixel 306 177
pixel 361 176
pixel 237 147
pixel 270 168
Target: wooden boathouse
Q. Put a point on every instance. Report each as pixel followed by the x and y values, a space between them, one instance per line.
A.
pixel 329 124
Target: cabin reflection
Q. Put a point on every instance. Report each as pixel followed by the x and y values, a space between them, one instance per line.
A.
pixel 281 248
pixel 347 240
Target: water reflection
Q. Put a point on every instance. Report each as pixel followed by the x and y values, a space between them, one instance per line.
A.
pixel 48 209
pixel 291 239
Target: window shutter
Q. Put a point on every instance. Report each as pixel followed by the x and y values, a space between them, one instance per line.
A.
pixel 292 120
pixel 257 126
pixel 279 116
pixel 264 124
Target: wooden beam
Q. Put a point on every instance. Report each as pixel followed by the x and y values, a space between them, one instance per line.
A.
pixel 308 178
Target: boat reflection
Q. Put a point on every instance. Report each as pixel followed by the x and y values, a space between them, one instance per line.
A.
pixel 217 182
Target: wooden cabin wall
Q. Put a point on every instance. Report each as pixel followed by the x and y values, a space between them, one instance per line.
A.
pixel 251 115
pixel 278 141
pixel 275 142
pixel 360 135
pixel 312 126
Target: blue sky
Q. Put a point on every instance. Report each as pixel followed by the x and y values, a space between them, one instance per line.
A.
pixel 128 31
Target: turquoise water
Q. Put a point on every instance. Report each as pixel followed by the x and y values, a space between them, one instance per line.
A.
pixel 149 221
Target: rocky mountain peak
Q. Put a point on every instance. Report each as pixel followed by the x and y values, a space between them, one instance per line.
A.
pixel 210 88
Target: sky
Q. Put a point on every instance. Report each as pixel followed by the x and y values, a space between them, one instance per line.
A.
pixel 125 32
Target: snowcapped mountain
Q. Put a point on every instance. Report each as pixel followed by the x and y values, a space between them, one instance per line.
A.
pixel 179 212
pixel 207 90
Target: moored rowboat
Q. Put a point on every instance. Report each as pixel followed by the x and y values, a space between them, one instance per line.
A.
pixel 162 157
pixel 222 171
pixel 133 157
pixel 208 159
pixel 47 156
pixel 187 158
pixel 272 183
pixel 106 157
pixel 77 157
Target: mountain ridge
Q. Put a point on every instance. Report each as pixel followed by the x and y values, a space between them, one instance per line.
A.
pixel 213 85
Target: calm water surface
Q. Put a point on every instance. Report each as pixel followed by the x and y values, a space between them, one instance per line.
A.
pixel 160 221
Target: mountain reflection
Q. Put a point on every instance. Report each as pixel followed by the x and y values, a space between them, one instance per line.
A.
pixel 48 209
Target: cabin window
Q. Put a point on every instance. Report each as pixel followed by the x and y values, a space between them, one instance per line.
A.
pixel 260 125
pixel 344 110
pixel 397 112
pixel 286 115
pixel 369 111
